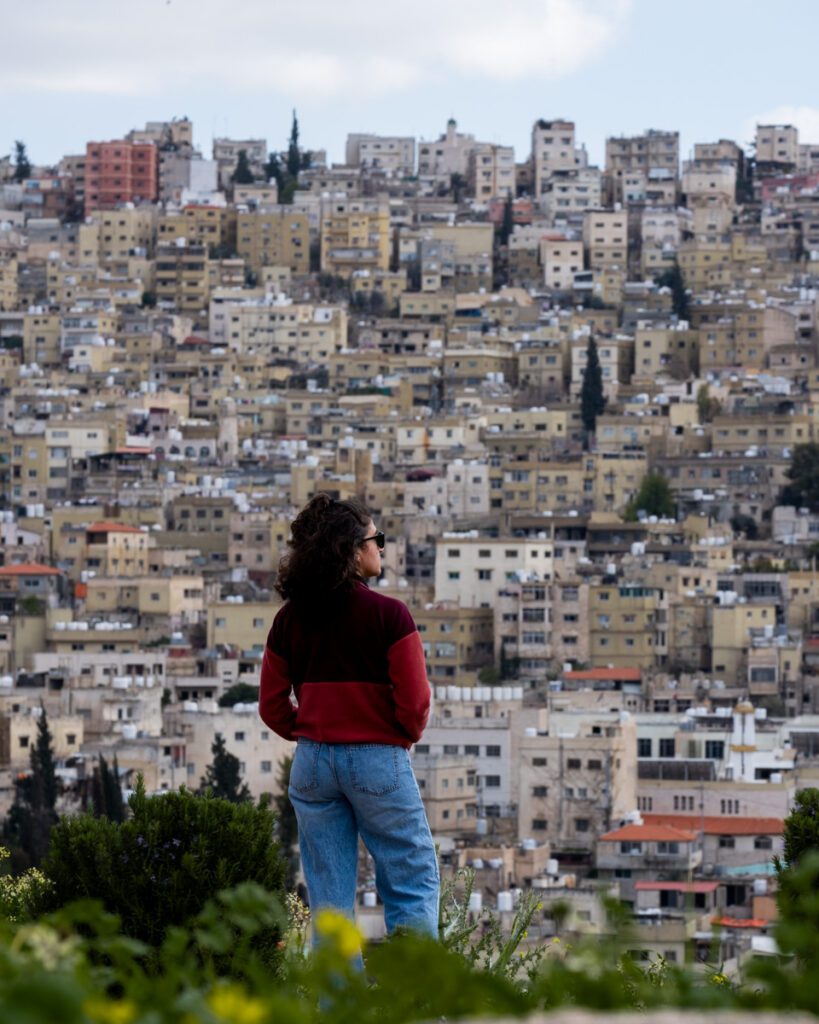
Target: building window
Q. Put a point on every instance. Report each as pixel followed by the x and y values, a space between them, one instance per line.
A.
pixel 238 736
pixel 491 781
pixel 540 790
pixel 763 843
pixel 573 764
pixel 667 747
pixel 493 751
pixel 539 824
pixel 266 766
pixel 726 842
pixel 581 824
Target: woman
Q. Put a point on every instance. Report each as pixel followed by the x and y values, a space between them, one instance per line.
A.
pixel 354 660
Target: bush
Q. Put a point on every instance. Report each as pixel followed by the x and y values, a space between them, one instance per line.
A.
pixel 161 866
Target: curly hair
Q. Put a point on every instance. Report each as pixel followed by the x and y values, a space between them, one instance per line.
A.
pixel 325 537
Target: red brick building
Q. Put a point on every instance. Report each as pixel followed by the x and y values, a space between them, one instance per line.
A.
pixel 120 172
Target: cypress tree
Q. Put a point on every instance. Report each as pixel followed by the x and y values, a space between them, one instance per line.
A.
pixel 243 174
pixel 592 399
pixel 223 776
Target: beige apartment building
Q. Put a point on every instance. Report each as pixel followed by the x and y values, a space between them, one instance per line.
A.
pixel 182 281
pixel 271 238
pixel 355 235
pixel 777 144
pixel 472 569
pixel 282 330
pixel 605 237
pixel 655 151
pixel 561 258
pixel 199 224
pixel 553 149
pixel 393 154
pixel 625 625
pixel 238 624
pixel 457 641
pixel 568 195
pixel 123 231
pixel 491 171
pixel 732 626
pixel 578 780
pixel 448 788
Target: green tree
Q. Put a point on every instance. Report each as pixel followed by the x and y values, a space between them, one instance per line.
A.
pixel 239 693
pixel 592 399
pixel 287 831
pixel 457 186
pixel 273 170
pixel 33 815
pixel 803 473
pixel 707 407
pixel 243 174
pixel 22 164
pixel 293 152
pixel 675 280
pixel 223 777
pixel 655 498
pixel 106 794
pixel 508 223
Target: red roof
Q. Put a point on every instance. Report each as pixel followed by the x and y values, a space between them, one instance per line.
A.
pixel 109 527
pixel 649 834
pixel 29 569
pixel 719 826
pixel 676 886
pixel 630 674
pixel 741 922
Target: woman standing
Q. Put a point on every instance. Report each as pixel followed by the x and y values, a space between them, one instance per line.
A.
pixel 354 661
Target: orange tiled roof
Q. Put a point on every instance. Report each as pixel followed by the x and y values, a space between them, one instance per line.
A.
pixel 111 527
pixel 649 834
pixel 714 825
pixel 676 886
pixel 741 922
pixel 29 569
pixel 632 674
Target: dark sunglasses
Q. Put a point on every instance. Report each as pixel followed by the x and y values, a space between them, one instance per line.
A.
pixel 379 538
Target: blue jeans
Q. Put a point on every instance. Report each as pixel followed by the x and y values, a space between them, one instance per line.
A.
pixel 341 791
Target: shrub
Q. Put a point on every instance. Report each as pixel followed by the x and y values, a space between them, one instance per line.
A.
pixel 161 866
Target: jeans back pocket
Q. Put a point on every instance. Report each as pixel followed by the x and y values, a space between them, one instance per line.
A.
pixel 374 768
pixel 304 770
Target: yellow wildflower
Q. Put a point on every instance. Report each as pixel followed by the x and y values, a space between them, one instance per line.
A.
pixel 232 1004
pixel 346 937
pixel 109 1011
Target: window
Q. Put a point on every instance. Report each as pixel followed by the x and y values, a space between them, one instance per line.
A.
pixel 493 751
pixel 539 824
pixel 629 846
pixel 581 824
pixel 539 762
pixel 491 781
pixel 763 843
pixel 594 766
pixel 540 790
pixel 239 737
pixel 71 739
pixel 668 849
pixel 667 747
pixel 573 763
pixel 450 748
pixel 421 748
pixel 726 842
pixel 715 749
pixel 266 767
pixel 24 741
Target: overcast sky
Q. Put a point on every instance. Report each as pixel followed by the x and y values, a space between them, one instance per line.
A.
pixel 92 69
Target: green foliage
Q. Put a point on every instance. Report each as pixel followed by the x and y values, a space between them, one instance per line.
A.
pixel 507 225
pixel 745 524
pixel 592 399
pixel 106 794
pixel 803 472
pixel 30 604
pixel 675 280
pixel 159 868
pixel 223 777
pixel 21 895
pixel 801 832
pixel 148 300
pixel 22 164
pixel 239 693
pixel 293 153
pixel 707 407
pixel 242 175
pixel 287 831
pixel 32 816
pixel 654 497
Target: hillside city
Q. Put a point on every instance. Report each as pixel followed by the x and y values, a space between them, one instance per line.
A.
pixel 582 403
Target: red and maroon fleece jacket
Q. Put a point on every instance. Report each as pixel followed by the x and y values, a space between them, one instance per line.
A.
pixel 356 667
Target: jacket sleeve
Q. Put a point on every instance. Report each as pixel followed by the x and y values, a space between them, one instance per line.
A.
pixel 275 706
pixel 411 690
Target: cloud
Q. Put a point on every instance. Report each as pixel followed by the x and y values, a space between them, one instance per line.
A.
pixel 806 119
pixel 316 48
